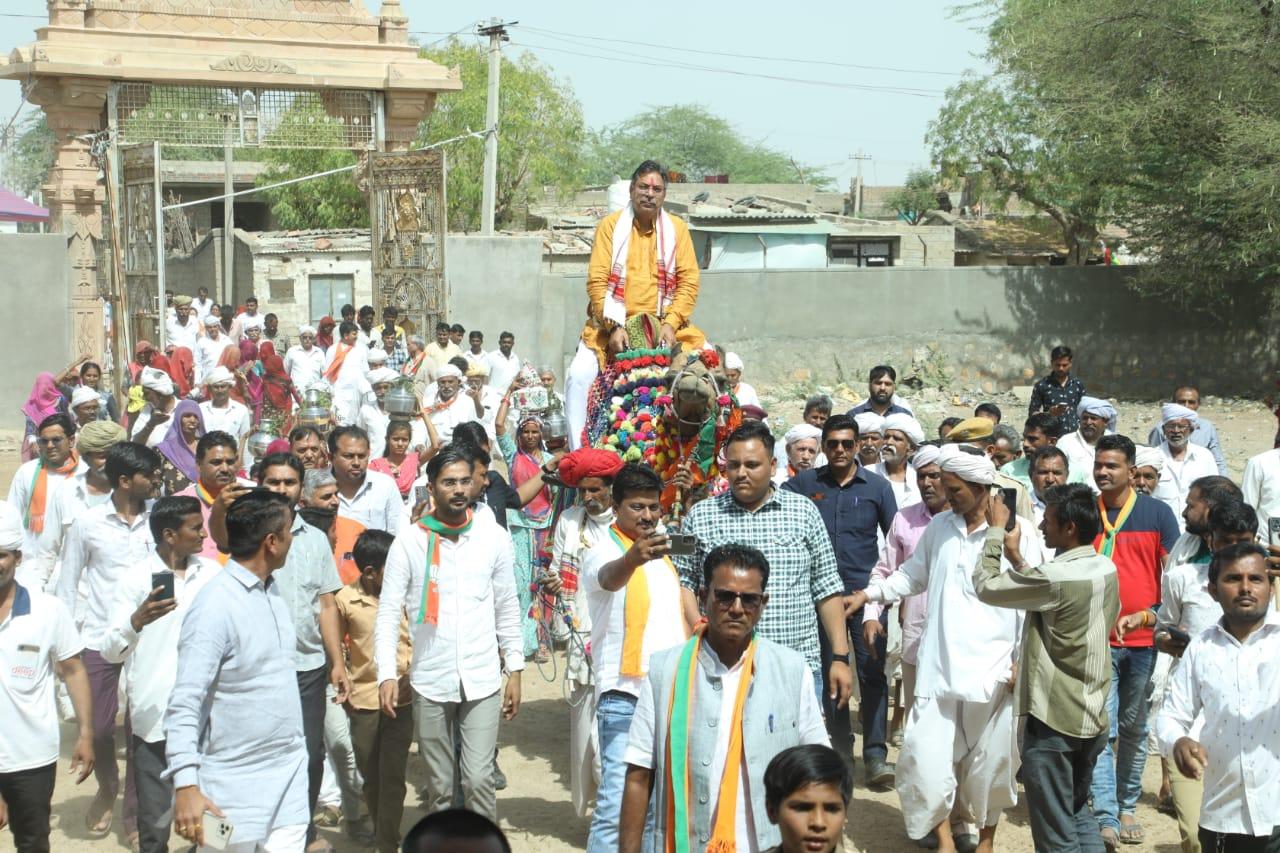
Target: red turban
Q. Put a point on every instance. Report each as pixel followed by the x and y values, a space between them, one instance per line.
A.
pixel 588 462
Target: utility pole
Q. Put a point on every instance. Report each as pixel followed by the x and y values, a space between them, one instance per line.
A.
pixel 857 183
pixel 496 30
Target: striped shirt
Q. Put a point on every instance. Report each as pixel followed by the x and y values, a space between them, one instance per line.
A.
pixel 1064 674
pixel 802 565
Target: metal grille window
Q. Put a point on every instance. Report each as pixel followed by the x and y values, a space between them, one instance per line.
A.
pixel 210 116
pixel 328 294
pixel 861 253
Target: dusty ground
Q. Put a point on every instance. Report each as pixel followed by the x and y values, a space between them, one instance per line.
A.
pixel 535 809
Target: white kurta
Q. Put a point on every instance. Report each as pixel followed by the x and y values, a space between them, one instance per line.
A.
pixel 304 366
pixel 208 351
pixel 1178 475
pixel 20 489
pixel 350 386
pixel 1079 456
pixel 1261 487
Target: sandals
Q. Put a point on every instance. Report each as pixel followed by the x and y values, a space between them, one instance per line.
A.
pixel 1110 839
pixel 1132 832
pixel 100 828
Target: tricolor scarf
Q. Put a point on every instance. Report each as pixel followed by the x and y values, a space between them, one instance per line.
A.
pixel 36 504
pixel 678 783
pixel 331 372
pixel 1109 530
pixel 635 614
pixel 410 368
pixel 615 297
pixel 429 606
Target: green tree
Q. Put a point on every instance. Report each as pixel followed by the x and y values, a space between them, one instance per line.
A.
pixel 690 139
pixel 540 137
pixel 328 202
pixel 916 197
pixel 32 154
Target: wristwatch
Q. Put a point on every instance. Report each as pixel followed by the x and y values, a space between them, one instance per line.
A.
pixel 844 658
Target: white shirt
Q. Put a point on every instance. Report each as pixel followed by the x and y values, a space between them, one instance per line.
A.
pixel 479 614
pixel 460 410
pixel 1184 599
pixel 1178 475
pixel 502 369
pixel 70 500
pixel 967 647
pixel 19 496
pixel 249 321
pixel 101 547
pixel 184 335
pixel 369 339
pixel 37 634
pixel 377 504
pixel 1261 487
pixel 150 657
pixel 746 395
pixel 304 366
pixel 200 309
pixel 232 418
pixel 906 492
pixel 208 351
pixel 481 357
pixel 1237 689
pixel 159 432
pixel 1079 456
pixel 576 533
pixel 641 738
pixel 375 422
pixel 664 629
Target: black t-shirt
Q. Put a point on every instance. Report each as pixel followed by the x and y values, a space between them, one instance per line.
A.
pixel 500 497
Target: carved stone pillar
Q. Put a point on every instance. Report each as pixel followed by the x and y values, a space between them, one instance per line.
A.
pixel 404 111
pixel 74 195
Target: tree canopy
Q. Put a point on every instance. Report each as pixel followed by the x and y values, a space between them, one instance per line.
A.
pixel 916 197
pixel 32 154
pixel 690 139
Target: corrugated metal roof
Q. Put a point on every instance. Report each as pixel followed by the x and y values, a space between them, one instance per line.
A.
pixel 811 227
pixel 321 240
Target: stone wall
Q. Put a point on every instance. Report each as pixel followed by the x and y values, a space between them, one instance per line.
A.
pixel 36 295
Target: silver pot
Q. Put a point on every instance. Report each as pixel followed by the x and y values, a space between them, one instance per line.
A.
pixel 400 402
pixel 260 440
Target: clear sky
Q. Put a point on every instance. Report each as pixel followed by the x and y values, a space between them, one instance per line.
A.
pixel 846 106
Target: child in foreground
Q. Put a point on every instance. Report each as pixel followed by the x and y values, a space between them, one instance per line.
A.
pixel 807 791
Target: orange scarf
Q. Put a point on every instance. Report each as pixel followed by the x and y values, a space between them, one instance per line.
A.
pixel 635 610
pixel 331 372
pixel 679 779
pixel 34 519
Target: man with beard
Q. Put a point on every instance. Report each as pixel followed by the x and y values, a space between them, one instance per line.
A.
pixel 451 407
pixel 881 399
pixel 217 461
pixel 902 435
pixel 899 544
pixel 366 335
pixel 1096 418
pixel 870 437
pixel 182 329
pixel 1059 393
pixel 1204 435
pixel 580 529
pixel 801 443
pixel 1184 462
pixel 856 505
pixel 304 361
pixel 980 434
pixel 1237 763
pixel 817 408
pixel 1148 463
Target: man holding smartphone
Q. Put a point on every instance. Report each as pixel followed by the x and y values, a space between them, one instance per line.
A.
pixel 151 600
pixel 633 594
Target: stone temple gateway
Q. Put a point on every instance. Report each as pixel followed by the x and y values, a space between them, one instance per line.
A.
pixel 246 73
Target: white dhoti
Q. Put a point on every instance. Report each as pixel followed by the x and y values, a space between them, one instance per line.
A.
pixel 584 756
pixel 893 648
pixel 583 370
pixel 976 775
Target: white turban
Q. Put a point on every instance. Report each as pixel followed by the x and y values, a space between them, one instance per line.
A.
pixel 732 361
pixel 868 422
pixel 906 425
pixel 1098 408
pixel 157 380
pixel 382 374
pixel 218 376
pixel 1148 457
pixel 1178 412
pixel 82 395
pixel 306 330
pixel 970 467
pixel 377 355
pixel 211 320
pixel 447 371
pixel 10 528
pixel 800 432
pixel 925 456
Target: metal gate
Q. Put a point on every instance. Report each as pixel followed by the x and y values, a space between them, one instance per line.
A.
pixel 140 175
pixel 407 217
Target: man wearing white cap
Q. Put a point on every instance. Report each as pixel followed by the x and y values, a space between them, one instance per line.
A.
pixel 182 329
pixel 37 638
pixel 373 414
pixel 1184 462
pixel 902 434
pixel 84 405
pixel 870 438
pixel 223 413
pixel 742 392
pixel 155 418
pixel 304 362
pixel 209 348
pixel 1097 418
pixel 249 318
pixel 450 406
pixel 1147 465
pixel 801 444
pixel 1204 435
pixel 960 747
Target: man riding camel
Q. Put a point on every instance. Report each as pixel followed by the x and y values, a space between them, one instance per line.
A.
pixel 642 262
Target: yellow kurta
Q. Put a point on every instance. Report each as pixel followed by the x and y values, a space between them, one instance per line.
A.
pixel 642 282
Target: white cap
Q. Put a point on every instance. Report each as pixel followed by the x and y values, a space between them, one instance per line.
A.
pixel 83 394
pixel 219 376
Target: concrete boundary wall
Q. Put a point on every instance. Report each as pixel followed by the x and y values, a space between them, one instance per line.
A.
pixel 987 328
pixel 35 295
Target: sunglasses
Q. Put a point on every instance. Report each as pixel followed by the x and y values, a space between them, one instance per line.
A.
pixel 846 443
pixel 751 601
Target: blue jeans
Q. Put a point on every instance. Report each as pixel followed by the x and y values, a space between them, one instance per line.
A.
pixel 613 724
pixel 1117 777
pixel 873 688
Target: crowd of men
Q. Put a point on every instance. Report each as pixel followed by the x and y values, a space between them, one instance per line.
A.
pixel 1050 606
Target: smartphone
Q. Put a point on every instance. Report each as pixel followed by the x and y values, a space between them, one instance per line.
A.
pixel 162 579
pixel 217 831
pixel 1178 634
pixel 419 495
pixel 1010 498
pixel 681 544
pixel 1273 525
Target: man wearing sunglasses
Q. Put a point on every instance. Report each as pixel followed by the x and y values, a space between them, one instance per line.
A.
pixel 855 503
pixel 742 700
